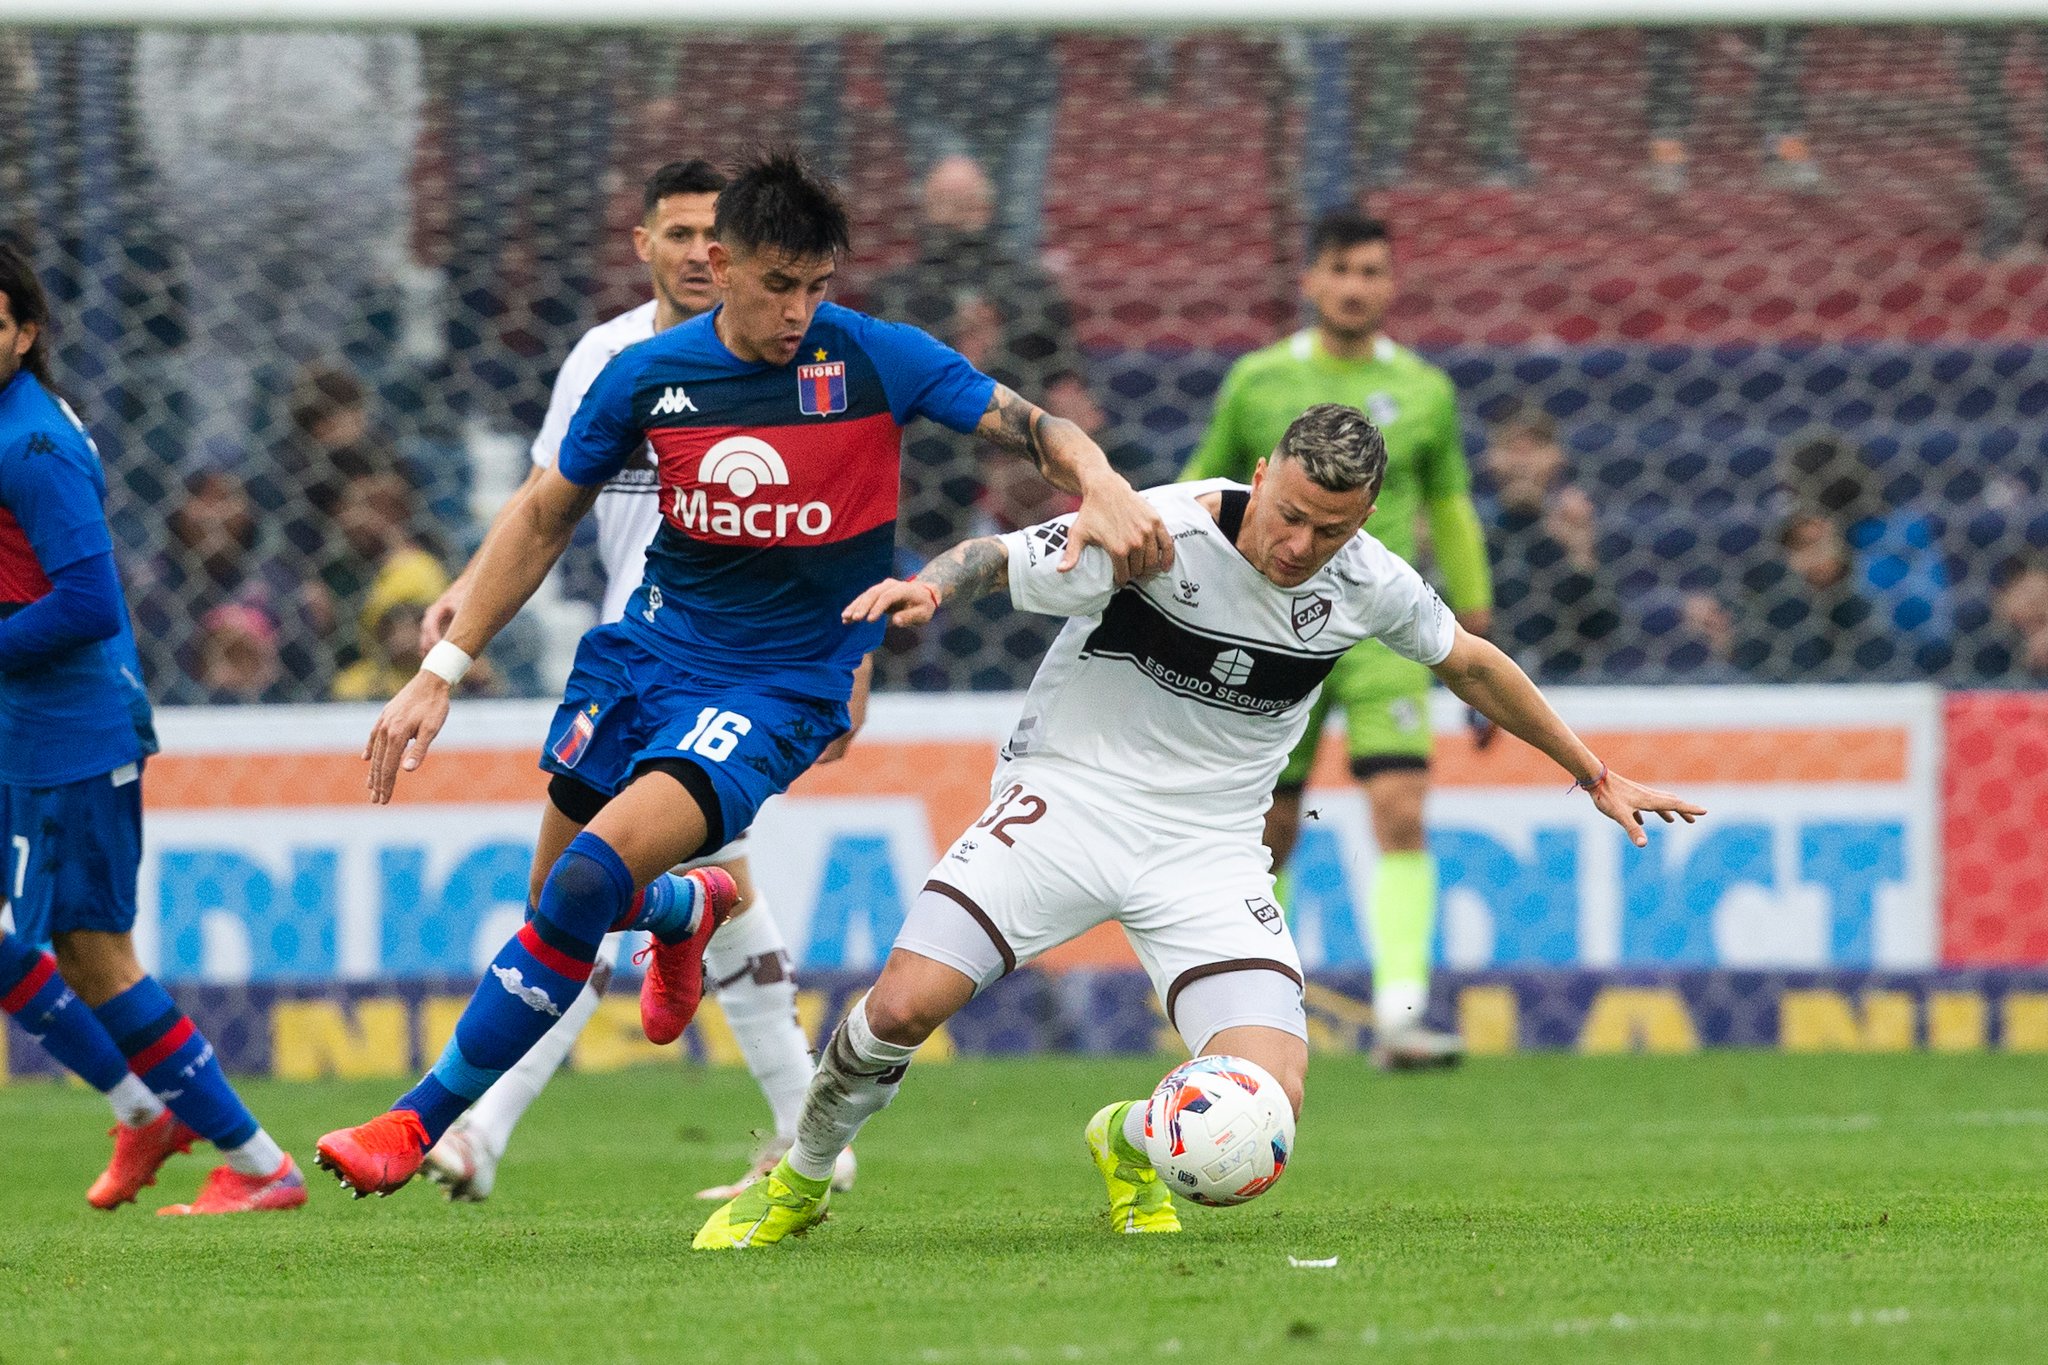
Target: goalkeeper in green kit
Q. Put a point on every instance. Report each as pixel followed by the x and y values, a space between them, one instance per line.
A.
pixel 1344 358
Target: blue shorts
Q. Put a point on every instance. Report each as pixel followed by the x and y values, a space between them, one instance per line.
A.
pixel 71 854
pixel 624 706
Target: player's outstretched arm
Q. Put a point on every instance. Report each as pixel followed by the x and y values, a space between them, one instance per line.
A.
pixel 971 569
pixel 434 625
pixel 1112 514
pixel 517 554
pixel 1491 682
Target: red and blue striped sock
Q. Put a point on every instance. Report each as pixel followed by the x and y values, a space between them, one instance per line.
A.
pixel 530 984
pixel 174 1059
pixel 666 908
pixel 54 1016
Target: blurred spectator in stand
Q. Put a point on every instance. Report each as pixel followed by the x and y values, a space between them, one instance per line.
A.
pixel 17 89
pixel 1693 642
pixel 1897 551
pixel 1388 65
pixel 1983 55
pixel 2017 655
pixel 530 119
pixel 217 556
pixel 407 584
pixel 377 519
pixel 1805 619
pixel 1001 311
pixel 238 660
pixel 328 439
pixel 1553 608
pixel 1008 317
pixel 988 96
pixel 284 161
pixel 1672 56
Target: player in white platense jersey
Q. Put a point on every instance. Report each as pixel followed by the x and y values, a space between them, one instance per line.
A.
pixel 1135 785
pixel 747 965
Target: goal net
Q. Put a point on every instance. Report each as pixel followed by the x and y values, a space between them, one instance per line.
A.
pixel 1744 320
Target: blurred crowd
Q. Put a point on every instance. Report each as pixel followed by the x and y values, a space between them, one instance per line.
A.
pixel 316 284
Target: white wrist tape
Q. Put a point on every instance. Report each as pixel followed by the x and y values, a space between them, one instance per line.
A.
pixel 446 662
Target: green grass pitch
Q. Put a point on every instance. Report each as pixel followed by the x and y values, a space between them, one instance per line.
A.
pixel 1709 1208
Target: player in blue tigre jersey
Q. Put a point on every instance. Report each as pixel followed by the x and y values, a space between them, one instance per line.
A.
pixel 75 729
pixel 776 420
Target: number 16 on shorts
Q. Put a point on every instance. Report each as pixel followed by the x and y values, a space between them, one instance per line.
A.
pixel 715 734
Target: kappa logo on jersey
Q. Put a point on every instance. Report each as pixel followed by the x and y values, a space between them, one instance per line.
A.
pixel 674 399
pixel 41 444
pixel 746 465
pixel 1266 913
pixel 821 389
pixel 1311 613
pixel 1231 668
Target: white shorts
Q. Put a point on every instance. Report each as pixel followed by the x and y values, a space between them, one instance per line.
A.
pixel 1048 861
pixel 731 851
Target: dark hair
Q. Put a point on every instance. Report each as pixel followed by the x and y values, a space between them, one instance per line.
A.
pixel 1339 449
pixel 28 304
pixel 1342 230
pixel 2013 568
pixel 1802 514
pixel 679 177
pixel 776 200
pixel 1827 471
pixel 323 389
pixel 1529 419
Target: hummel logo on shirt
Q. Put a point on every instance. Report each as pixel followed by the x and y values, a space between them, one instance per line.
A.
pixel 673 400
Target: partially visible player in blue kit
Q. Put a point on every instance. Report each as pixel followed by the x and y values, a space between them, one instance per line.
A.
pixel 776 420
pixel 75 730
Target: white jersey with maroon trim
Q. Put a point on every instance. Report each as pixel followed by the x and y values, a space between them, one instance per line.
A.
pixel 629 509
pixel 1182 694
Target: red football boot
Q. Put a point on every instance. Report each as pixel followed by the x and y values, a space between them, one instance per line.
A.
pixel 139 1153
pixel 229 1191
pixel 674 984
pixel 375 1157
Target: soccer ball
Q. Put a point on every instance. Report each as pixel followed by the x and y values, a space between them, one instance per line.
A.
pixel 1218 1130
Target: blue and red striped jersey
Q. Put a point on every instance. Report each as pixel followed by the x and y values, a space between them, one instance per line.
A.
pixel 778 486
pixel 84 713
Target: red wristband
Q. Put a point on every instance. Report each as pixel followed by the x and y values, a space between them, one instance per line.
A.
pixel 930 589
pixel 1594 785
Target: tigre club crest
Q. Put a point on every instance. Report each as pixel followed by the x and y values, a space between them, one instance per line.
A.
pixel 1311 614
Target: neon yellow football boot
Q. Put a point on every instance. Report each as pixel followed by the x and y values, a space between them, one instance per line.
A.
pixel 776 1206
pixel 1137 1201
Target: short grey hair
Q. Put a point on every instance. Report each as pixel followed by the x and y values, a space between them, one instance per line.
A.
pixel 1338 447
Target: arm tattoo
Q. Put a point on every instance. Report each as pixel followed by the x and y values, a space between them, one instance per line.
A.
pixel 1014 424
pixel 971 569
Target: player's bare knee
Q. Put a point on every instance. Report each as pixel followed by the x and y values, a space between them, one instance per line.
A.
pixel 1294 1081
pixel 600 977
pixel 98 966
pixel 1397 799
pixel 895 1017
pixel 1400 832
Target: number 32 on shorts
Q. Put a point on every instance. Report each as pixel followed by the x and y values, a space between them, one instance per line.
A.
pixel 1013 808
pixel 716 734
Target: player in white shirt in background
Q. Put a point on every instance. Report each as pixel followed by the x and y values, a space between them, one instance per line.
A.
pixel 1134 787
pixel 747 965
